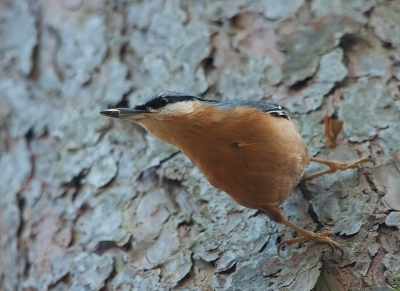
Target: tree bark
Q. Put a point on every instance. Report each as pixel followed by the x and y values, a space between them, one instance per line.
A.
pixel 90 203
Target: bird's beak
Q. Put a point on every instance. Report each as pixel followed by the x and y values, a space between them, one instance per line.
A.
pixel 125 113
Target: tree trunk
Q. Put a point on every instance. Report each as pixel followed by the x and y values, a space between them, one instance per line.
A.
pixel 90 203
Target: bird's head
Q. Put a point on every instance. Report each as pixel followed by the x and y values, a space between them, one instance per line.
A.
pixel 160 106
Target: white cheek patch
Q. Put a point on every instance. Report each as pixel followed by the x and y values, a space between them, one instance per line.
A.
pixel 178 108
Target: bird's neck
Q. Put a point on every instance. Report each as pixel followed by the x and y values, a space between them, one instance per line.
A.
pixel 188 131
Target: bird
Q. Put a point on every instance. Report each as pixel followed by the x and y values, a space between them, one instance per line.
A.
pixel 249 149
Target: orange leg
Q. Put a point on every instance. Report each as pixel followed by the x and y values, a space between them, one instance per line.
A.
pixel 322 238
pixel 335 166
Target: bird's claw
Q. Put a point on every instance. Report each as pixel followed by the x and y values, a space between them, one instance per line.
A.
pixel 365 160
pixel 353 164
pixel 322 238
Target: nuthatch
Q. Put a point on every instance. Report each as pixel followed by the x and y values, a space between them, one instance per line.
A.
pixel 249 149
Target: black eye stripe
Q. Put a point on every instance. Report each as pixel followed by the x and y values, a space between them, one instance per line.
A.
pixel 157 103
pixel 161 100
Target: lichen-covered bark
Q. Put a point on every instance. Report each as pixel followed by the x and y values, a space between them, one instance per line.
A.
pixel 89 203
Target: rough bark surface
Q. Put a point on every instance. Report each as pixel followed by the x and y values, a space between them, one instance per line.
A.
pixel 90 203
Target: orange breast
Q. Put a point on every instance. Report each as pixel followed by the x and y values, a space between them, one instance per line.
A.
pixel 253 156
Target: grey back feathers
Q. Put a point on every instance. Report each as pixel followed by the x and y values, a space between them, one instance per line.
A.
pixel 162 99
pixel 275 110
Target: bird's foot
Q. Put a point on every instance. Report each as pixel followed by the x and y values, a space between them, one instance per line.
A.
pixel 321 238
pixel 342 166
pixel 335 166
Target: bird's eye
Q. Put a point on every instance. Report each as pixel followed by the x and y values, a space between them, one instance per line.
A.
pixel 163 101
